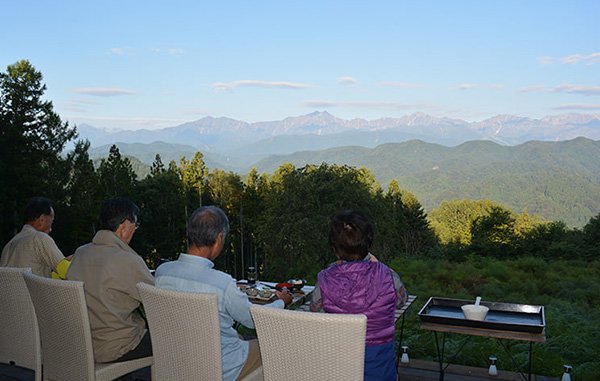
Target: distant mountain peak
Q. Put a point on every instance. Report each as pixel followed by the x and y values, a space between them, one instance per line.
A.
pixel 322 129
pixel 571 118
pixel 504 119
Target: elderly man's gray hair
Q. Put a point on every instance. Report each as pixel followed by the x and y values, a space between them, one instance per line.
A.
pixel 205 224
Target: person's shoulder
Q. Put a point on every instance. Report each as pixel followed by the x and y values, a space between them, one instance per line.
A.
pixel 41 236
pixel 223 276
pixel 169 268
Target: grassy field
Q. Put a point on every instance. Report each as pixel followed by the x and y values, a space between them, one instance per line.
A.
pixel 569 291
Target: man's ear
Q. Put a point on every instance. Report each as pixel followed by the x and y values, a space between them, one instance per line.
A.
pixel 120 232
pixel 218 246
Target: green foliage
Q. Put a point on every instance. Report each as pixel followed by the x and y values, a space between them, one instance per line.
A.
pixel 32 137
pixel 294 226
pixel 592 231
pixel 452 220
pixel 494 233
pixel 162 203
pixel 569 290
pixel 116 176
pixel 81 202
pixel 555 180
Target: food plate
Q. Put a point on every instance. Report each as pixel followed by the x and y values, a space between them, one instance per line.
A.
pixel 252 292
pixel 260 300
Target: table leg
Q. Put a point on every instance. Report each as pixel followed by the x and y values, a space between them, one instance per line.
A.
pixel 440 355
pixel 530 349
pixel 518 367
pixel 398 354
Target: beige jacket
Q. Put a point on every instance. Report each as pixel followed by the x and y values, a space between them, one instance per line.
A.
pixel 110 270
pixel 32 248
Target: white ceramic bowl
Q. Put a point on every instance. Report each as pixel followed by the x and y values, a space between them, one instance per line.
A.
pixel 473 312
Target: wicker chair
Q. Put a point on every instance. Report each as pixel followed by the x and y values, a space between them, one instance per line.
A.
pixel 66 337
pixel 186 337
pixel 310 346
pixel 19 333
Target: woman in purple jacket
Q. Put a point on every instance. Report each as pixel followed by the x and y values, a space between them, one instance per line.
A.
pixel 359 284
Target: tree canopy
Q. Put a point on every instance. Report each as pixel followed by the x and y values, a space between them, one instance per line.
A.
pixel 32 137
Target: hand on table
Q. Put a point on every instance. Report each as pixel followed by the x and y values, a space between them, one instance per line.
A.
pixel 285 296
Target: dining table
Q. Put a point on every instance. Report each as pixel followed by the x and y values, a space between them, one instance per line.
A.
pixel 299 297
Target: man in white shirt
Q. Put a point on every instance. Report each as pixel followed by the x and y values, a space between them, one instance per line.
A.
pixel 206 231
pixel 32 246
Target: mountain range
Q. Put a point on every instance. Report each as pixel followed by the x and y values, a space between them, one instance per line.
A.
pixel 539 165
pixel 236 143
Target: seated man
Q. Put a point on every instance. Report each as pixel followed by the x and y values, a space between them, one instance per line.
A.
pixel 32 246
pixel 206 231
pixel 110 269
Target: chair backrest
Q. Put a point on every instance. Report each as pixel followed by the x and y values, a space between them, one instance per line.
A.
pixel 310 346
pixel 186 338
pixel 19 332
pixel 64 328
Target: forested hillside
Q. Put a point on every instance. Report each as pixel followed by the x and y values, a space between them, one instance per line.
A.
pixel 555 180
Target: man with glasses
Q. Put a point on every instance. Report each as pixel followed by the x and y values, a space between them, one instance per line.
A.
pixel 110 269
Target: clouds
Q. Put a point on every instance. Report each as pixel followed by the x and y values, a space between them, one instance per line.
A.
pixel 347 81
pixel 365 105
pixel 467 86
pixel 578 107
pixel 121 51
pixel 169 51
pixel 532 89
pixel 128 123
pixel 401 85
pixel 588 59
pixel 573 59
pixel 564 88
pixel 103 91
pixel 576 89
pixel 229 86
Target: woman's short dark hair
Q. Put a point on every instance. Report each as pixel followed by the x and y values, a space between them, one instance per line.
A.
pixel 350 235
pixel 37 206
pixel 116 210
pixel 205 224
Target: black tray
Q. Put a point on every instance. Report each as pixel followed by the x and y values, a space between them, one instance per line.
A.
pixel 502 316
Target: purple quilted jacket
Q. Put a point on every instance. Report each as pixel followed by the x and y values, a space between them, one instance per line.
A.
pixel 362 287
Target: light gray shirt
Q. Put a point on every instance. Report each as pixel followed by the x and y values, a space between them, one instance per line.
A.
pixel 34 249
pixel 196 274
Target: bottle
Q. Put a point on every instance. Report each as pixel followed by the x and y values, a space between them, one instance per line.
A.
pixel 404 359
pixel 567 374
pixel 493 371
pixel 251 275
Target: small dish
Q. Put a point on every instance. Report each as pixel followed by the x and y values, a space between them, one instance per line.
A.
pixel 297 284
pixel 281 286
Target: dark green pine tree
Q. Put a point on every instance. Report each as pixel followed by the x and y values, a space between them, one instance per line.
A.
pixel 32 136
pixel 116 175
pixel 82 200
pixel 162 201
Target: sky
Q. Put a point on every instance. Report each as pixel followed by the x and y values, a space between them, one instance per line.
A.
pixel 152 64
